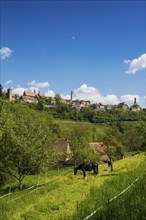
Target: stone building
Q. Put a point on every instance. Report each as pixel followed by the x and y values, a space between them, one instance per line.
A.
pixel 135 107
pixel 30 97
pixel 100 149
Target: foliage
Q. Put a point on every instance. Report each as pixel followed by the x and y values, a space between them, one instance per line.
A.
pixel 1 90
pixel 40 105
pixel 90 114
pixel 25 141
pixel 58 99
pixel 79 138
pixel 133 135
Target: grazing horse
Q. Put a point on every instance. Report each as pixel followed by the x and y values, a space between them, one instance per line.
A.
pixel 87 167
pixel 110 163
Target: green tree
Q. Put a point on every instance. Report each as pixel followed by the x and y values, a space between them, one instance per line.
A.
pixel 41 104
pixel 25 142
pixel 88 114
pixel 79 138
pixel 58 99
pixel 1 90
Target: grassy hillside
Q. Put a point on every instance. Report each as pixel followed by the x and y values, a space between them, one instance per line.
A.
pixel 61 195
pixel 70 124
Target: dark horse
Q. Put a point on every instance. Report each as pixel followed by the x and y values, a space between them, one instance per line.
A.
pixel 110 163
pixel 91 166
pixel 87 167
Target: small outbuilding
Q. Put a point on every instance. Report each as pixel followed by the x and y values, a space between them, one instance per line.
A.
pixel 100 149
pixel 63 149
pixel 63 152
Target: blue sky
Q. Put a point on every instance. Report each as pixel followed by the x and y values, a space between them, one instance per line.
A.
pixel 94 48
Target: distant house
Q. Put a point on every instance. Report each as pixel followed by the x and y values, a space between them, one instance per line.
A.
pixel 122 106
pixel 52 100
pixel 30 97
pixel 110 107
pixel 42 96
pixel 135 107
pixel 85 103
pixel 100 149
pixel 65 101
pixel 100 106
pixel 78 104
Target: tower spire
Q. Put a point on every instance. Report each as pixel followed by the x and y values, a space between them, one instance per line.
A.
pixel 71 94
pixel 135 101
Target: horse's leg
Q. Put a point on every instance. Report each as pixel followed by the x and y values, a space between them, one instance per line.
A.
pixel 93 173
pixel 95 170
pixel 84 174
pixel 111 167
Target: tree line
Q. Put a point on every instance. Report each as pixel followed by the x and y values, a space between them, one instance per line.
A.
pixel 90 113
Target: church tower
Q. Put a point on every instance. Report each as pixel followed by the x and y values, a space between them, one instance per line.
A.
pixel 9 94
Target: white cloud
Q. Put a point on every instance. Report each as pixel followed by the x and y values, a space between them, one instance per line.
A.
pixel 8 82
pixel 143 101
pixel 85 92
pixel 5 52
pixel 137 64
pixel 110 99
pixel 34 88
pixel 129 98
pixel 67 96
pixel 50 93
pixel 39 84
pixel 19 90
pixel 73 37
pixel 126 61
pixel 18 85
pixel 84 89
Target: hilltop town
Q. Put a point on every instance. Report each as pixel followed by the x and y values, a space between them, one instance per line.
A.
pixel 34 97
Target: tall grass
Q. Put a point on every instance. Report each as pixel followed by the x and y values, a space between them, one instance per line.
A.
pixel 131 205
pixel 71 197
pixel 106 207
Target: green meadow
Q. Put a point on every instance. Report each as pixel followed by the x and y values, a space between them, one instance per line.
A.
pixel 59 194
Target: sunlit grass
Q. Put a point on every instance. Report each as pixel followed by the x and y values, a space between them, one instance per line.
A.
pixel 65 196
